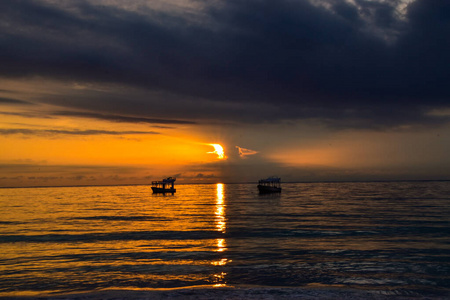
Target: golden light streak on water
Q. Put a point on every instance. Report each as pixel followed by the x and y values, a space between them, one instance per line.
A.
pixel 221 262
pixel 219 193
pixel 220 209
pixel 220 243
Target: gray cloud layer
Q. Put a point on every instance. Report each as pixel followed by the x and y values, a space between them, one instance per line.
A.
pixel 346 65
pixel 54 132
pixel 120 119
pixel 13 101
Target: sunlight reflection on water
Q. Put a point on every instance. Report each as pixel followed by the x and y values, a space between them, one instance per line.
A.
pixel 361 235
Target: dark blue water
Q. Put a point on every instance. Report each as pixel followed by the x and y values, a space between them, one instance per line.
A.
pixel 392 237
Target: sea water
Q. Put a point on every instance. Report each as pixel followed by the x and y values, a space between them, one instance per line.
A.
pixel 391 237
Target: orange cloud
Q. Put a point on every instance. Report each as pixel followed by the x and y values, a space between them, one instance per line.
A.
pixel 243 152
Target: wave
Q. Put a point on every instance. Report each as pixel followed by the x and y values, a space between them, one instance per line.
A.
pixel 114 236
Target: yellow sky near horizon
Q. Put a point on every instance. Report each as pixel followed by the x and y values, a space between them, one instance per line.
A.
pixel 72 142
pixel 39 148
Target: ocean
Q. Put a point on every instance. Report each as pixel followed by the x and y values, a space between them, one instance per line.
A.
pixel 320 240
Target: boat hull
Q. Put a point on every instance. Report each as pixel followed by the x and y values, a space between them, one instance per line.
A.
pixel 268 189
pixel 162 190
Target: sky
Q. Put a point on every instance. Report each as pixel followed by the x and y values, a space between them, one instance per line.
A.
pixel 97 92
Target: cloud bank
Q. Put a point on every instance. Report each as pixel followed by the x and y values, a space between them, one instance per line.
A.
pixel 56 132
pixel 347 64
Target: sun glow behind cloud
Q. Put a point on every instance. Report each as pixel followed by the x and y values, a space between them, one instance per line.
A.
pixel 83 125
pixel 218 149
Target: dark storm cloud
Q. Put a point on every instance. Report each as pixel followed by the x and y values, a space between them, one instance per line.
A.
pixel 346 65
pixel 54 132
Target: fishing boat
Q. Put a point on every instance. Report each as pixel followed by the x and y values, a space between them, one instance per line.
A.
pixel 269 185
pixel 164 186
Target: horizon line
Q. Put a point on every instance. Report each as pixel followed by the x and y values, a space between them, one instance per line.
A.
pixel 247 182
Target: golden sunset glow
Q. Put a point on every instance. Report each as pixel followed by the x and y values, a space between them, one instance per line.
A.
pixel 107 122
pixel 72 151
pixel 218 149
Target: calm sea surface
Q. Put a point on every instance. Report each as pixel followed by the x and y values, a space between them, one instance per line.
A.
pixel 386 236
